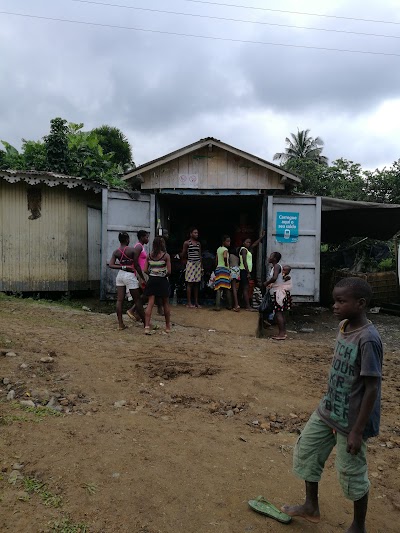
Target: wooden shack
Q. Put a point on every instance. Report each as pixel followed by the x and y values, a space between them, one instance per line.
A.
pixel 214 186
pixel 221 189
pixel 50 238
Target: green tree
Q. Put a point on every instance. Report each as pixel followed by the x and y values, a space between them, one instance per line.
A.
pixel 10 158
pixel 68 150
pixel 115 143
pixel 343 179
pixel 384 185
pixel 34 154
pixel 302 146
pixel 58 157
pixel 87 158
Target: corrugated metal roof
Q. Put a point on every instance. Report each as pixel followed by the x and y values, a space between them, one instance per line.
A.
pixel 337 204
pixel 34 177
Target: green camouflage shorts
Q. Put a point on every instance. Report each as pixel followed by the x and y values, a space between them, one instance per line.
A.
pixel 313 448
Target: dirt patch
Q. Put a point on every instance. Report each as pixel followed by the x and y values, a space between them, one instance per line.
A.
pixel 172 433
pixel 171 369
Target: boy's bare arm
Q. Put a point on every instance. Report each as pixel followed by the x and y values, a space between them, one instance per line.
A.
pixel 168 264
pixel 354 440
pixel 274 276
pixel 136 254
pixel 257 242
pixel 244 256
pixel 112 263
pixel 184 251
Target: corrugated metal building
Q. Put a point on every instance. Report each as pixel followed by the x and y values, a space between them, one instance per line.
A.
pixel 222 189
pixel 50 238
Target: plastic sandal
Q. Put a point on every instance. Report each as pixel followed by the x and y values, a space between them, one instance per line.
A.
pixel 264 507
pixel 131 315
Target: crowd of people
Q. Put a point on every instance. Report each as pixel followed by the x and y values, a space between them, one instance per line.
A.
pixel 348 414
pixel 144 278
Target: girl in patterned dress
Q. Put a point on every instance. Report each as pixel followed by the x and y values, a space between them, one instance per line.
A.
pixel 191 253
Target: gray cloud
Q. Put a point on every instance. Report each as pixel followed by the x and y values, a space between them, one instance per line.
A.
pixel 166 91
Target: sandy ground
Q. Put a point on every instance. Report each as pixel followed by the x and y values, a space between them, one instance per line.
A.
pixel 207 419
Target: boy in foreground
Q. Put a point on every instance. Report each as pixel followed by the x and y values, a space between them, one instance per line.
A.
pixel 349 413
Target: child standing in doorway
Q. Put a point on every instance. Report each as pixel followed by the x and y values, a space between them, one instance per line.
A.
pixel 349 413
pixel 234 268
pixel 191 253
pixel 222 273
pixel 246 267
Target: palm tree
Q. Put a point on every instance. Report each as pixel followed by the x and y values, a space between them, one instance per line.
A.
pixel 302 146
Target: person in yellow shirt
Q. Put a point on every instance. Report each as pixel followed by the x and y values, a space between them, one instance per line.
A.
pixel 222 273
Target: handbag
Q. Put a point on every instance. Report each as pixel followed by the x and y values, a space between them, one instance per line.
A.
pixel 211 281
pixel 267 303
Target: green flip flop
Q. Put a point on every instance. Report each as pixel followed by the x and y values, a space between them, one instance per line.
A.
pixel 263 506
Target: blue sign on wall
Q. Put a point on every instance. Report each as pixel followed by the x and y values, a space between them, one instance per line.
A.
pixel 287 226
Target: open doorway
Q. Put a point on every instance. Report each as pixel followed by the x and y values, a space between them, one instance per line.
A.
pixel 214 216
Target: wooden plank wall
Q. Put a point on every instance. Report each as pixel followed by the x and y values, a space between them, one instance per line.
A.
pixel 216 169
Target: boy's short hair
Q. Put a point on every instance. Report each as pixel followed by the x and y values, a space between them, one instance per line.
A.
pixel 141 233
pixel 277 256
pixel 358 286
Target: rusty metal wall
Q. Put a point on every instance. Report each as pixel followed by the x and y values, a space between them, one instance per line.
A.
pixel 43 237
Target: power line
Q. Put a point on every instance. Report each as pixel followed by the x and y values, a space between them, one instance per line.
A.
pixel 131 28
pixel 291 12
pixel 228 19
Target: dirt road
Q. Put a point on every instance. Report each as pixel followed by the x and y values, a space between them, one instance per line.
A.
pixel 172 434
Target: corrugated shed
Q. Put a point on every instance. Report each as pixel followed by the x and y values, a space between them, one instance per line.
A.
pixel 43 237
pixel 34 241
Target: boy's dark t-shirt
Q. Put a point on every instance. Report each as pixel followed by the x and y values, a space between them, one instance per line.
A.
pixel 357 354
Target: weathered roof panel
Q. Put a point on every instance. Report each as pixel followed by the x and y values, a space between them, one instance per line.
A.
pixel 200 144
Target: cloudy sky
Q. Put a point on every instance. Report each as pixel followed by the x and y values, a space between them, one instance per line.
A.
pixel 165 91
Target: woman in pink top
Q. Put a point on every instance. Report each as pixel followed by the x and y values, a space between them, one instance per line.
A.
pixel 141 255
pixel 139 263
